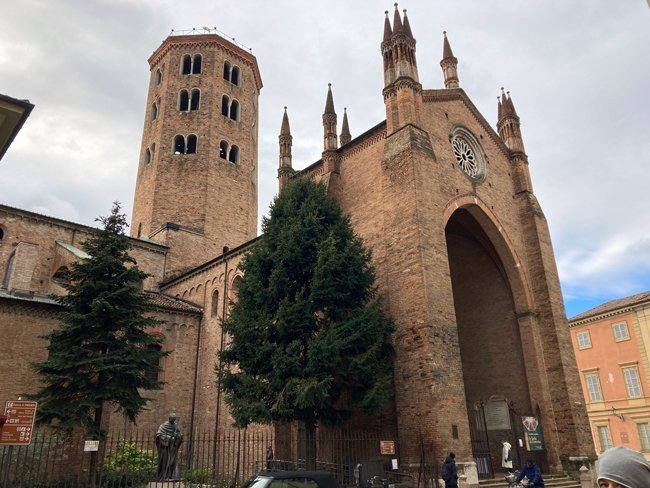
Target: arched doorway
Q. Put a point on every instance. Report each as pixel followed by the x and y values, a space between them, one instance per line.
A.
pixel 489 295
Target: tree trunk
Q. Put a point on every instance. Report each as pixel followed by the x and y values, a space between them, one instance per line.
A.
pixel 310 445
pixel 93 454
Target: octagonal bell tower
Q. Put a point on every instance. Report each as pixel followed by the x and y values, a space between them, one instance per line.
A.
pixel 196 188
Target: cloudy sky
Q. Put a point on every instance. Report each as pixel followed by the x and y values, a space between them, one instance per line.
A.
pixel 578 72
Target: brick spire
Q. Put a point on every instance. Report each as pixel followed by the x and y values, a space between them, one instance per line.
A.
pixel 330 139
pixel 508 124
pixel 449 64
pixel 285 170
pixel 397 21
pixel 407 26
pixel 388 32
pixel 345 136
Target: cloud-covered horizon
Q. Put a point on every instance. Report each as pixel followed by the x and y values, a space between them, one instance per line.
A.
pixel 577 72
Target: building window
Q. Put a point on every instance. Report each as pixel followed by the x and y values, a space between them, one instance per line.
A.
pixel 604 437
pixel 644 436
pixel 139 230
pixel 152 372
pixel 147 156
pixel 8 270
pixel 234 76
pixel 593 387
pixel 195 98
pixel 620 332
pixel 183 101
pixel 191 144
pixel 234 110
pixel 215 303
pixel 632 382
pixel 2 234
pixel 186 64
pixel 179 145
pixel 584 341
pixel 233 155
pixel 226 71
pixel 154 111
pixel 223 150
pixel 157 78
pixel 196 64
pixel 225 105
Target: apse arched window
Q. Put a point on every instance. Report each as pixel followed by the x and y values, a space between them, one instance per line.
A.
pixel 191 144
pixel 153 371
pixel 234 110
pixel 234 75
pixel 234 290
pixel 157 78
pixel 183 101
pixel 154 111
pixel 196 64
pixel 226 71
pixel 179 145
pixel 215 303
pixel 147 156
pixel 233 155
pixel 223 150
pixel 8 270
pixel 225 105
pixel 186 64
pixel 195 99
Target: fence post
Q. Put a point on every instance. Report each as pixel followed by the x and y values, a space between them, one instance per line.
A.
pixel 462 481
pixel 585 477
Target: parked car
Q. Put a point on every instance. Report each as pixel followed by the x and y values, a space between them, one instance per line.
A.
pixel 292 479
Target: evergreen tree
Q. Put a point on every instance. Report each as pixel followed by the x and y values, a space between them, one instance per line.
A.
pixel 307 338
pixel 101 353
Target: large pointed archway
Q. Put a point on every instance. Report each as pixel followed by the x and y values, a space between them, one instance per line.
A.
pixel 490 295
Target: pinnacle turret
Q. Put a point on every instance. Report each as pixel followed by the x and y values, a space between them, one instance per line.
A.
pixel 345 136
pixel 286 140
pixel 397 21
pixel 330 139
pixel 508 124
pixel 388 32
pixel 449 64
pixel 407 25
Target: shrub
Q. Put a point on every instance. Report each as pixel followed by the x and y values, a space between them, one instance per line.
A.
pixel 128 466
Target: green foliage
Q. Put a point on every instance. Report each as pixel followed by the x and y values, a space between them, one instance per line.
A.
pixel 308 340
pixel 128 466
pixel 102 349
pixel 197 476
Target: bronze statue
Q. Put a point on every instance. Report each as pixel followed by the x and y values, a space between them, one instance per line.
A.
pixel 168 440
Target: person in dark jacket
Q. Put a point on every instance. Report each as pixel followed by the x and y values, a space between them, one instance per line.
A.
pixel 533 473
pixel 449 474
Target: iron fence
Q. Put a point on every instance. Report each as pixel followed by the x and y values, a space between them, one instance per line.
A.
pixel 226 461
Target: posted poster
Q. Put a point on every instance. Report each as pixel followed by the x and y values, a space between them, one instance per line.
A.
pixel 532 434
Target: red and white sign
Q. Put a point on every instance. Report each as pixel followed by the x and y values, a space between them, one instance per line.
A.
pixel 19 427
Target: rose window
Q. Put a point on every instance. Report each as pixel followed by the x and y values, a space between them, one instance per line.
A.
pixel 468 154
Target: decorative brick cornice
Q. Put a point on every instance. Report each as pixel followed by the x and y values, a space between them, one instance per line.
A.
pixel 210 41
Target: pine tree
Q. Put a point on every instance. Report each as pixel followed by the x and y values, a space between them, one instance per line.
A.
pixel 102 352
pixel 307 338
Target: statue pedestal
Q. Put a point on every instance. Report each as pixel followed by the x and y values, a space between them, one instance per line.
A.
pixel 165 484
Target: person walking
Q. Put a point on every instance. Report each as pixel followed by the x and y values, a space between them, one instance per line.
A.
pixel 620 467
pixel 449 474
pixel 506 455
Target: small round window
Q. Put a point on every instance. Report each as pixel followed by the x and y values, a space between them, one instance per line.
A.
pixel 468 154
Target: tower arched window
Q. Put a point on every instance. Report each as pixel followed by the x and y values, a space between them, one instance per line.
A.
pixel 234 75
pixel 191 144
pixel 215 303
pixel 154 111
pixel 226 71
pixel 196 64
pixel 195 99
pixel 157 77
pixel 233 155
pixel 147 156
pixel 186 64
pixel 234 110
pixel 179 145
pixel 223 150
pixel 2 234
pixel 183 101
pixel 139 230
pixel 225 105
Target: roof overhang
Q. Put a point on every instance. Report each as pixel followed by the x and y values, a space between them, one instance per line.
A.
pixel 13 114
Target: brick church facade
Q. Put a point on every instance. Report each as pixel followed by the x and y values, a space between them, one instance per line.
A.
pixel 461 247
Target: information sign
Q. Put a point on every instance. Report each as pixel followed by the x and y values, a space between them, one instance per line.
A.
pixel 19 427
pixel 386 448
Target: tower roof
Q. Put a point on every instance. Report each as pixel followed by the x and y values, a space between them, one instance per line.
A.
pixel 407 25
pixel 397 21
pixel 446 48
pixel 506 107
pixel 387 30
pixel 345 128
pixel 329 103
pixel 285 129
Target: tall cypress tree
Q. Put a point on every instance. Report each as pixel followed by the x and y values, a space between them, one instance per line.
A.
pixel 307 338
pixel 102 352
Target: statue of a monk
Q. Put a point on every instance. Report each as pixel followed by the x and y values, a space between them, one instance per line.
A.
pixel 168 440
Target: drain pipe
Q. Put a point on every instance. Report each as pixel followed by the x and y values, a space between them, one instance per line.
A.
pixel 195 386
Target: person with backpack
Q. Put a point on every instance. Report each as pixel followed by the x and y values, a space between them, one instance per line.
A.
pixel 449 474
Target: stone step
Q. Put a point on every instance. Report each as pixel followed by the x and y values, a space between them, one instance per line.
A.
pixel 550 481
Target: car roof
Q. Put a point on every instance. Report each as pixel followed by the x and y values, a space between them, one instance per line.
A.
pixel 296 474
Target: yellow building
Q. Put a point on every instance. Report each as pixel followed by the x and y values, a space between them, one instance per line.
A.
pixel 612 345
